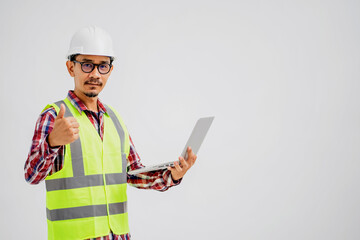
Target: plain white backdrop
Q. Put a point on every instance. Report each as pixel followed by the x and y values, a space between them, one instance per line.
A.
pixel 281 160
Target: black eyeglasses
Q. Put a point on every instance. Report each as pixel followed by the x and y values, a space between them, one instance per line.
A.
pixel 88 67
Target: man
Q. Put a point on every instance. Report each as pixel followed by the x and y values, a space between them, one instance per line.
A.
pixel 82 149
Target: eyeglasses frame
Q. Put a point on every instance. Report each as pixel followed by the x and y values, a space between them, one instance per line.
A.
pixel 95 65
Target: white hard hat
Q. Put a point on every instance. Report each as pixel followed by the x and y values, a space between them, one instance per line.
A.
pixel 91 40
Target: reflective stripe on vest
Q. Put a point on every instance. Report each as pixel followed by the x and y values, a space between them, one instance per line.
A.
pixel 80 180
pixel 84 181
pixel 86 211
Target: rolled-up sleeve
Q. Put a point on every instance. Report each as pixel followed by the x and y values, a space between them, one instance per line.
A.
pixel 41 156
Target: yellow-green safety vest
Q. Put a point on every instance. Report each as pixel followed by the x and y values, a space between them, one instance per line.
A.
pixel 87 197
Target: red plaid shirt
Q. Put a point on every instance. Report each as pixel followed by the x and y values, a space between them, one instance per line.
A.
pixel 44 160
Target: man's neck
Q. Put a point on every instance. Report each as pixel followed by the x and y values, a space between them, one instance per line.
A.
pixel 90 102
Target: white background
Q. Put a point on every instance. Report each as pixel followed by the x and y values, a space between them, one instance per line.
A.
pixel 281 160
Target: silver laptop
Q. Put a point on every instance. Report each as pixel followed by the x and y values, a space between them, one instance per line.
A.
pixel 196 138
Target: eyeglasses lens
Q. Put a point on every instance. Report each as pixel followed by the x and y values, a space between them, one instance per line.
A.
pixel 104 68
pixel 87 67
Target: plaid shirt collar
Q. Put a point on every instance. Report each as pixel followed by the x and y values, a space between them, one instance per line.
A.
pixel 80 106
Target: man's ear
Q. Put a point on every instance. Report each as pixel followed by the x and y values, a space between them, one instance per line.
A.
pixel 70 68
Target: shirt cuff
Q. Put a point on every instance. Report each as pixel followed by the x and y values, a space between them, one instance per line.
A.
pixel 169 180
pixel 50 150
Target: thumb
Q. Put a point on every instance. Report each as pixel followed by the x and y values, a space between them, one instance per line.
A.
pixel 62 111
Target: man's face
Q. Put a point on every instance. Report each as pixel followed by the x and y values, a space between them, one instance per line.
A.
pixel 88 84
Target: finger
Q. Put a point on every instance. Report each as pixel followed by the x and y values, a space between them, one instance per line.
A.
pixel 75 124
pixel 184 164
pixel 61 112
pixel 177 166
pixel 71 119
pixel 72 122
pixel 76 131
pixel 180 159
pixel 194 160
pixel 191 155
pixel 75 136
pixel 188 152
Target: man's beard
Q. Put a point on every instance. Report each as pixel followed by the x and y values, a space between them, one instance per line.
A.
pixel 91 95
pixel 93 81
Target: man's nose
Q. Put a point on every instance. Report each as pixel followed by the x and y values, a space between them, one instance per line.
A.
pixel 95 73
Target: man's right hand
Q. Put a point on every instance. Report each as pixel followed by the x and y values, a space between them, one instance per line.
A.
pixel 65 130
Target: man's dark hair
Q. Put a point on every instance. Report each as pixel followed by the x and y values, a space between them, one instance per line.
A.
pixel 72 57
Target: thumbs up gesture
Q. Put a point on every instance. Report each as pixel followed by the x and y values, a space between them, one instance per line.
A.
pixel 65 130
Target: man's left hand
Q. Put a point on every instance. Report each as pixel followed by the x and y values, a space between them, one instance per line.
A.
pixel 178 171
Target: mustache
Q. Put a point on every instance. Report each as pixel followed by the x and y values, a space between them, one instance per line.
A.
pixel 94 81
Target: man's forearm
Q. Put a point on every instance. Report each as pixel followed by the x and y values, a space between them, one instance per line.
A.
pixel 40 162
pixel 41 157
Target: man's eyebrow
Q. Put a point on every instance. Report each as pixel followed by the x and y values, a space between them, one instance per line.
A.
pixel 86 60
pixel 89 60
